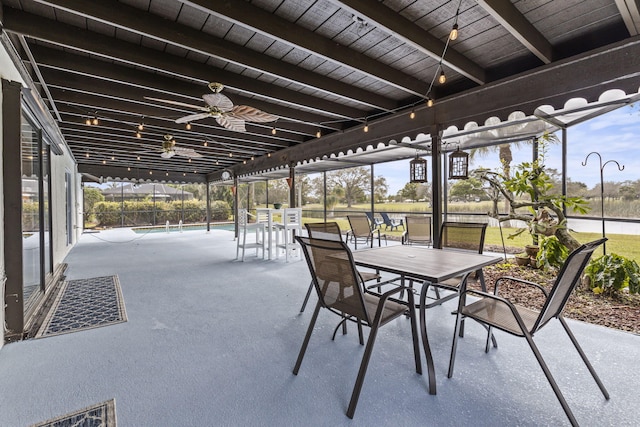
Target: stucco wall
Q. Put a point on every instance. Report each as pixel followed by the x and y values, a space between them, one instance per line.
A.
pixel 59 165
pixel 7 72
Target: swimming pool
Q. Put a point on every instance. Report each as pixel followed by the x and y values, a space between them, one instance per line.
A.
pixel 175 228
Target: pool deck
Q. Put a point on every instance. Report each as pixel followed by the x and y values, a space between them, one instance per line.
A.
pixel 212 341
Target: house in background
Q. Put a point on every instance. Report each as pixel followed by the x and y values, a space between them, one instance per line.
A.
pixel 142 191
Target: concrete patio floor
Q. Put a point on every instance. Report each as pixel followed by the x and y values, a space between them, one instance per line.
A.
pixel 210 341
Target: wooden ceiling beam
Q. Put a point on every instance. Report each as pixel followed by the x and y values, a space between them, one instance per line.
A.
pixel 272 26
pixel 513 21
pixel 110 89
pixel 412 34
pixel 107 100
pixel 586 76
pixel 630 12
pixel 137 21
pixel 151 124
pixel 36 27
pixel 160 86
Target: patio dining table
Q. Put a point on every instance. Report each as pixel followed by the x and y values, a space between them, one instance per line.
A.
pixel 428 265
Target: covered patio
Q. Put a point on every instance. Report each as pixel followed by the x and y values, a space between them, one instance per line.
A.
pixel 211 341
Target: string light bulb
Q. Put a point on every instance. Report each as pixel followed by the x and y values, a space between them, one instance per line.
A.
pixel 412 115
pixel 95 121
pixel 87 122
pixel 442 79
pixel 454 32
pixel 205 144
pixel 188 126
pixel 429 102
pixel 366 126
pixel 273 131
pixel 230 154
pixel 138 135
pixel 318 134
pixel 141 126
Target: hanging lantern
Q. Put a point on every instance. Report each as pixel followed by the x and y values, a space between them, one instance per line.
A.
pixel 418 170
pixel 458 165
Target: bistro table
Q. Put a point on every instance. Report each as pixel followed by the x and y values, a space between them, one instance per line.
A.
pixel 266 215
pixel 427 265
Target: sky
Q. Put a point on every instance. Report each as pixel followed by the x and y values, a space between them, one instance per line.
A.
pixel 615 135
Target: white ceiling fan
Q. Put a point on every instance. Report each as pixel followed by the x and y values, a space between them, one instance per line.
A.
pixel 221 108
pixel 170 149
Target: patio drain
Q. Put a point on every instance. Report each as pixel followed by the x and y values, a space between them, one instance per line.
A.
pixel 85 304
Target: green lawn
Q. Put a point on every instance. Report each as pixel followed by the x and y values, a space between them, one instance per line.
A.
pixel 621 244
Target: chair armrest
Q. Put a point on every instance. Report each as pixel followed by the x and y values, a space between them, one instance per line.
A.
pixel 498 299
pixel 515 279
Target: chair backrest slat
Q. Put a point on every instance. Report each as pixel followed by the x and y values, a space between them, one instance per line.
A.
pixel 360 226
pixel 335 277
pixel 324 230
pixel 566 282
pixel 418 228
pixel 463 235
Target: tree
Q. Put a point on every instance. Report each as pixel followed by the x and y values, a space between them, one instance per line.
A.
pixel 353 181
pixel 467 189
pixel 380 188
pixel 630 190
pixel 409 191
pixel 91 197
pixel 532 181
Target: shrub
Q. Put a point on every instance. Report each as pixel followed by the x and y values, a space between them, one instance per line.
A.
pixel 611 273
pixel 552 253
pixel 220 210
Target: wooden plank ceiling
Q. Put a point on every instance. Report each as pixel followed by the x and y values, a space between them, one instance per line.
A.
pixel 325 68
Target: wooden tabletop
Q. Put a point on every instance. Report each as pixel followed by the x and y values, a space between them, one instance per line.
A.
pixel 433 265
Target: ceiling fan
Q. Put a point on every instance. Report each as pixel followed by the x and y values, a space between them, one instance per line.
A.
pixel 170 149
pixel 232 117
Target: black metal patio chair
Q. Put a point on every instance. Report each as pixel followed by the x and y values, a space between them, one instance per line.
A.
pixel 361 229
pixel 494 311
pixel 329 231
pixel 417 230
pixel 341 291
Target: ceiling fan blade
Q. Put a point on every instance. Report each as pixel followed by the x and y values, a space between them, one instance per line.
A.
pixel 218 100
pixel 231 123
pixel 186 152
pixel 251 114
pixel 167 154
pixel 192 117
pixel 178 103
pixel 149 148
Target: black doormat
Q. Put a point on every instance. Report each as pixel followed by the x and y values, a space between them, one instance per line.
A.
pixel 85 304
pixel 100 415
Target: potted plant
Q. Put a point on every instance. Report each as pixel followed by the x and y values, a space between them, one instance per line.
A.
pixel 532 250
pixel 522 259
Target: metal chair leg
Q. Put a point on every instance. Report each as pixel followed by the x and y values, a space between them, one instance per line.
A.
pixel 552 381
pixel 584 357
pixel 357 388
pixel 306 298
pixel 303 349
